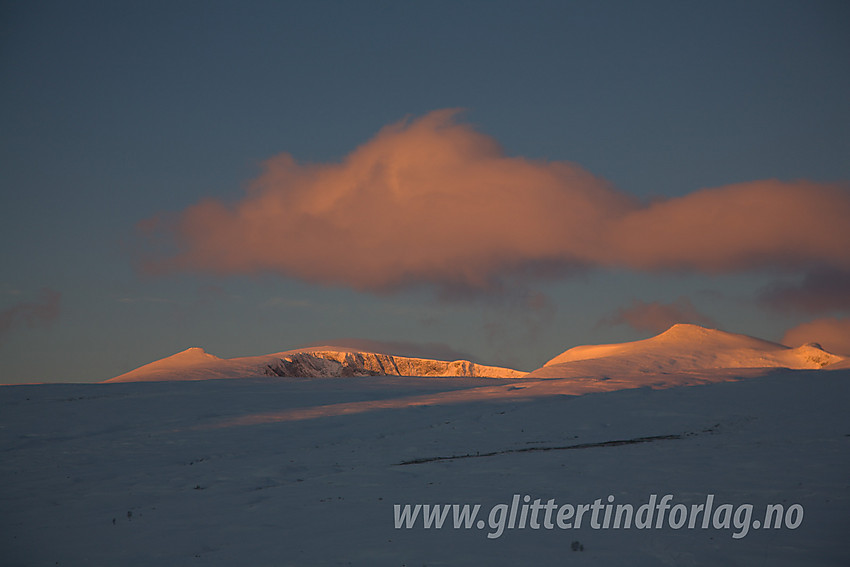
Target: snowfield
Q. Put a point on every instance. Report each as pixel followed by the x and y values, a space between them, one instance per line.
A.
pixel 292 471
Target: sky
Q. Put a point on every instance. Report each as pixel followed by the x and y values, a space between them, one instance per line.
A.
pixel 497 181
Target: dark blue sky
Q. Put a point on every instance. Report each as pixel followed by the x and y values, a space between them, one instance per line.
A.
pixel 115 112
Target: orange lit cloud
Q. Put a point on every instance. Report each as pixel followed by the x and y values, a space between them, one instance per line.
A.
pixel 832 333
pixel 657 317
pixel 42 311
pixel 432 201
pixel 759 224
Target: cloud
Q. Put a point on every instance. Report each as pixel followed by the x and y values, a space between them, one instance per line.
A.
pixel 433 202
pixel 657 317
pixel 520 318
pixel 42 311
pixel 434 350
pixel 832 333
pixel 821 291
pixel 756 225
pixel 138 299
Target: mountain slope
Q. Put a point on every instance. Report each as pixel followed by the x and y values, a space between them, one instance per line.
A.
pixel 315 362
pixel 683 348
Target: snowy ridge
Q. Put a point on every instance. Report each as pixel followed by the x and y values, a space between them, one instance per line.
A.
pixel 316 362
pixel 684 348
pixel 331 363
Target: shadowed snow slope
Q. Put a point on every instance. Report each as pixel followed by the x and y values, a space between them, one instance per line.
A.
pixel 291 472
pixel 683 348
pixel 316 362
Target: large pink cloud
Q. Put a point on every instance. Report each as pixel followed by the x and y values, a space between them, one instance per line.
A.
pixel 759 224
pixel 832 333
pixel 432 201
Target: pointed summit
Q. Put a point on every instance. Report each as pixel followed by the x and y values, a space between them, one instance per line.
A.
pixel 188 361
pixel 192 353
pixel 190 357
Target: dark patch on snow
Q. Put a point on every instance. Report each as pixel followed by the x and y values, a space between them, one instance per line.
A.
pixel 614 443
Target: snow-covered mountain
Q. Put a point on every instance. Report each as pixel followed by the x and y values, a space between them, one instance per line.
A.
pixel 683 348
pixel 314 362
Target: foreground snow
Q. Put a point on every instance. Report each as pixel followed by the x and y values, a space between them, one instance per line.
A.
pixel 286 471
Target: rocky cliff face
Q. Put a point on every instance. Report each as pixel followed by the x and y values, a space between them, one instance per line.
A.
pixel 314 362
pixel 318 364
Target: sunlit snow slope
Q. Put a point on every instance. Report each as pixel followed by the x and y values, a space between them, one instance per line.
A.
pixel 316 362
pixel 671 358
pixel 683 349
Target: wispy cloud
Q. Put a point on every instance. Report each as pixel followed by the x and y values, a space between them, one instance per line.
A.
pixel 656 317
pixel 42 311
pixel 431 201
pixel 822 291
pixel 139 299
pixel 832 333
pixel 516 320
pixel 285 302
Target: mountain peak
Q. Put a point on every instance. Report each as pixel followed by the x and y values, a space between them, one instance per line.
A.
pixel 688 330
pixel 683 348
pixel 191 355
pixel 690 334
pixel 192 351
